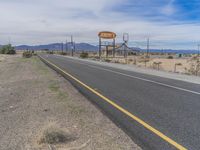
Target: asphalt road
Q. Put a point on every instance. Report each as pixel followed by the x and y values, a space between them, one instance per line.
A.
pixel 170 106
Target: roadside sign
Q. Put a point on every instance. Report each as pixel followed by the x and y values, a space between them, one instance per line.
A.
pixel 107 35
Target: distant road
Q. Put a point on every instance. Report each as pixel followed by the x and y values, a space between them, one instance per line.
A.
pixel 157 113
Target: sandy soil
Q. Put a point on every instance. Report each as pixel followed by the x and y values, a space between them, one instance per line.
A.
pixel 166 64
pixel 32 97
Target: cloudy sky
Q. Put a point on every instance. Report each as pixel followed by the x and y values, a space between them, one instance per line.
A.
pixel 168 23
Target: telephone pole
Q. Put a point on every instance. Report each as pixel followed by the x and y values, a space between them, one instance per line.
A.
pixel 148 46
pixel 72 46
pixel 66 46
pixel 198 50
pixel 62 47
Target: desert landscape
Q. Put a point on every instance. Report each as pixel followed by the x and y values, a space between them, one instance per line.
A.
pixel 99 75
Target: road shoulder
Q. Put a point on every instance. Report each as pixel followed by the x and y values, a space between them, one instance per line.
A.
pixel 148 71
pixel 33 97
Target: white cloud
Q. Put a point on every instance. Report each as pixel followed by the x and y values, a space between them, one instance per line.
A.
pixel 169 9
pixel 46 21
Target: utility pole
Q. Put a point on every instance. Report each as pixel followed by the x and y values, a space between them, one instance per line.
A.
pixel 198 50
pixel 99 47
pixel 62 47
pixel 148 46
pixel 72 46
pixel 114 48
pixel 66 46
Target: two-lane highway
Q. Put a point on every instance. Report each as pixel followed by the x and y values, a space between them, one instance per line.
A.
pixel 158 113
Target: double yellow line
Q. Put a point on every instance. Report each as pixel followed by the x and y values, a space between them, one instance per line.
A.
pixel 147 126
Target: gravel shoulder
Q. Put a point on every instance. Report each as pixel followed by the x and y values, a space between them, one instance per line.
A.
pixel 33 97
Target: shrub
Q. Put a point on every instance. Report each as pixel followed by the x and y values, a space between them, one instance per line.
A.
pixel 50 52
pixel 84 55
pixel 194 66
pixel 27 54
pixel 7 49
pixel 107 60
pixel 54 135
pixel 116 61
pixel 130 60
pixel 170 57
pixel 132 53
pixel 62 53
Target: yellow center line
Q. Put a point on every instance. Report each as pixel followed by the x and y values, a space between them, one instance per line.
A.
pixel 140 121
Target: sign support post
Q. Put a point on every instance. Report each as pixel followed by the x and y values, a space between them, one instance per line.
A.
pixel 107 35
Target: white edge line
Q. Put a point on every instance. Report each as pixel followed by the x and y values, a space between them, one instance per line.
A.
pixel 143 79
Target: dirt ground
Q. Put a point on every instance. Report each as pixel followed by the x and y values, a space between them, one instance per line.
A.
pixel 184 64
pixel 168 64
pixel 33 97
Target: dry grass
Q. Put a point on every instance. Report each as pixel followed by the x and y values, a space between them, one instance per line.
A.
pixel 52 134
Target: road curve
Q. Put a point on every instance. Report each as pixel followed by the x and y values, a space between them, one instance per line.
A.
pixel 157 113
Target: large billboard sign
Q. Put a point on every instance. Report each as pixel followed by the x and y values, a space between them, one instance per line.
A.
pixel 107 35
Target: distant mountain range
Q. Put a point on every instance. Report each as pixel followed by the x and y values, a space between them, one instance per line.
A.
pixel 181 51
pixel 89 47
pixel 58 46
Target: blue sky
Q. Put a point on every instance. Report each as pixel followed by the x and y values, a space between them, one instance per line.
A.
pixel 168 23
